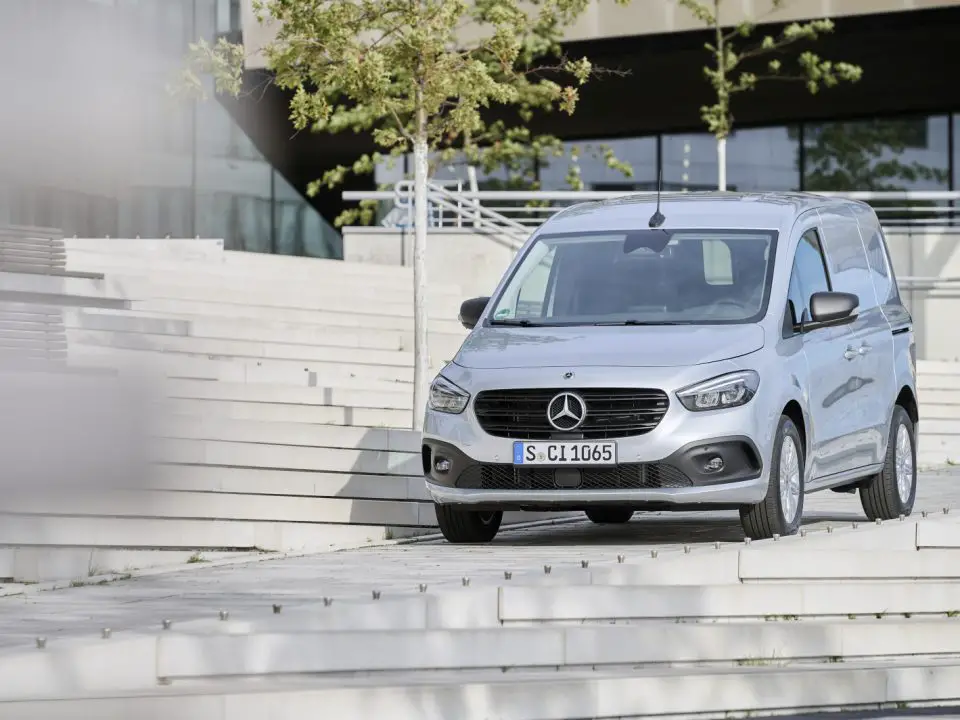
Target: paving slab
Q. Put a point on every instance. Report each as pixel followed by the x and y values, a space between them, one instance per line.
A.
pixel 249 590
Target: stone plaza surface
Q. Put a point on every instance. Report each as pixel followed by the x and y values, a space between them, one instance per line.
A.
pixel 247 590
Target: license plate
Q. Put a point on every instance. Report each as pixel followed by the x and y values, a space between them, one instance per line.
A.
pixel 564 453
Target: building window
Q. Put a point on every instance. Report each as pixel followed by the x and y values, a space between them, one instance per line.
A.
pixel 588 160
pixel 879 154
pixel 757 159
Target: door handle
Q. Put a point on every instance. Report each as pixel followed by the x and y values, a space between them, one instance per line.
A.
pixel 850 353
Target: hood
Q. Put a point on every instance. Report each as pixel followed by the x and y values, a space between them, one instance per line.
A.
pixel 611 346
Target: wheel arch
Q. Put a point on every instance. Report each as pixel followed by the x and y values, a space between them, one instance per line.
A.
pixel 794 411
pixel 908 401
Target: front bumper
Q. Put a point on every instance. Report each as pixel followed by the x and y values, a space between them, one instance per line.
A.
pixel 680 481
pixel 678 499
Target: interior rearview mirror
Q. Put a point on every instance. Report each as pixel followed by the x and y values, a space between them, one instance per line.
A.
pixel 831 307
pixel 471 310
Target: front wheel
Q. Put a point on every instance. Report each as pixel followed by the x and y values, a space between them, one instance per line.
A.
pixel 609 516
pixel 892 491
pixel 462 526
pixel 780 512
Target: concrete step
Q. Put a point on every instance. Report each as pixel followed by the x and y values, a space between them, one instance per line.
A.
pixel 523 695
pixel 198 427
pixel 183 534
pixel 195 656
pixel 200 506
pixel 179 249
pixel 221 347
pixel 204 255
pixel 257 330
pixel 261 393
pixel 931 397
pixel 53 290
pixel 320 281
pixel 318 294
pixel 236 370
pixel 326 372
pixel 307 414
pixel 330 301
pixel 288 457
pixel 293 483
pixel 324 317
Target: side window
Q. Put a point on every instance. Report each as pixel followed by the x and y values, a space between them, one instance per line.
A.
pixel 534 292
pixel 847 258
pixel 531 294
pixel 717 263
pixel 808 276
pixel 880 268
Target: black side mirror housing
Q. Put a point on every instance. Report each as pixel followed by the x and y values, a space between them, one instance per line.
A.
pixel 828 308
pixel 471 310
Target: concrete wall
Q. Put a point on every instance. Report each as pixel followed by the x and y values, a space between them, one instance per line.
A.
pixel 471 260
pixel 930 253
pixel 605 19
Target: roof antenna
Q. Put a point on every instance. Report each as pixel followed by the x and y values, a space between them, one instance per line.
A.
pixel 656 220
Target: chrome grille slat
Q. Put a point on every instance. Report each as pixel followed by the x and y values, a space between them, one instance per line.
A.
pixel 611 412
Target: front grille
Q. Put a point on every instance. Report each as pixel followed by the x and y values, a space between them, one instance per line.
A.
pixel 635 476
pixel 611 412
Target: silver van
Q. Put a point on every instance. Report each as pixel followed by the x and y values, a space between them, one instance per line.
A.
pixel 715 351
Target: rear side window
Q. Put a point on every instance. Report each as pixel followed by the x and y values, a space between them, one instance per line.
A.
pixel 879 259
pixel 808 276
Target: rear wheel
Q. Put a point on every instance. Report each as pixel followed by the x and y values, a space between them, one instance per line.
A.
pixel 462 526
pixel 780 512
pixel 892 491
pixel 609 516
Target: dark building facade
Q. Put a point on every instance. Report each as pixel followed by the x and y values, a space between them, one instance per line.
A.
pixel 92 142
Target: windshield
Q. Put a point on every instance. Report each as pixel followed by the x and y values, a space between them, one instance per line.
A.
pixel 640 277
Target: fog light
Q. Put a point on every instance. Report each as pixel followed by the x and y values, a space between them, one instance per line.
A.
pixel 441 465
pixel 714 464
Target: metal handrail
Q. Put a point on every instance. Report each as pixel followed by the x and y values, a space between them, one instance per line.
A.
pixel 485 209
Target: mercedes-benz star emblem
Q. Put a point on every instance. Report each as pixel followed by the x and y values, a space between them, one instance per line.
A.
pixel 566 411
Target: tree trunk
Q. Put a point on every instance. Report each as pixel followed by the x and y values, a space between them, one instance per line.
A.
pixel 721 163
pixel 421 355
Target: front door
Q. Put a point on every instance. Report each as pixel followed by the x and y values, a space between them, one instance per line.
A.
pixel 831 369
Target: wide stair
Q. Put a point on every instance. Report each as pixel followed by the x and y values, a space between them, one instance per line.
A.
pixel 286 393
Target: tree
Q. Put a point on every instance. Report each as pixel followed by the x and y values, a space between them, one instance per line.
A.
pixel 728 78
pixel 417 74
pixel 869 155
pixel 866 155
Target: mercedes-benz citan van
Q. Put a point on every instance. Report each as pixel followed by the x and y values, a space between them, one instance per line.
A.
pixel 713 351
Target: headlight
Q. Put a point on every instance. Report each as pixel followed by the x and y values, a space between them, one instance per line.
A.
pixel 447 397
pixel 725 391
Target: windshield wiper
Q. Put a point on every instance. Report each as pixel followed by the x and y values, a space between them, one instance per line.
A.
pixel 641 322
pixel 522 322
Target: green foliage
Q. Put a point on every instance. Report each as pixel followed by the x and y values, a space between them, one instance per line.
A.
pixel 864 155
pixel 411 71
pixel 728 75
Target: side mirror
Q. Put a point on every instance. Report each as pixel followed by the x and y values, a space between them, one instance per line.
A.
pixel 471 310
pixel 832 307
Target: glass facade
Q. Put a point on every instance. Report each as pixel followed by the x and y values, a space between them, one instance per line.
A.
pixel 897 153
pixel 94 144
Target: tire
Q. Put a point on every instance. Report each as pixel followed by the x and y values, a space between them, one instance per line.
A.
pixel 609 516
pixel 464 527
pixel 768 517
pixel 881 496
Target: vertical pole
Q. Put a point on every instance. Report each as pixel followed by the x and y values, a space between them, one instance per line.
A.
pixel 421 357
